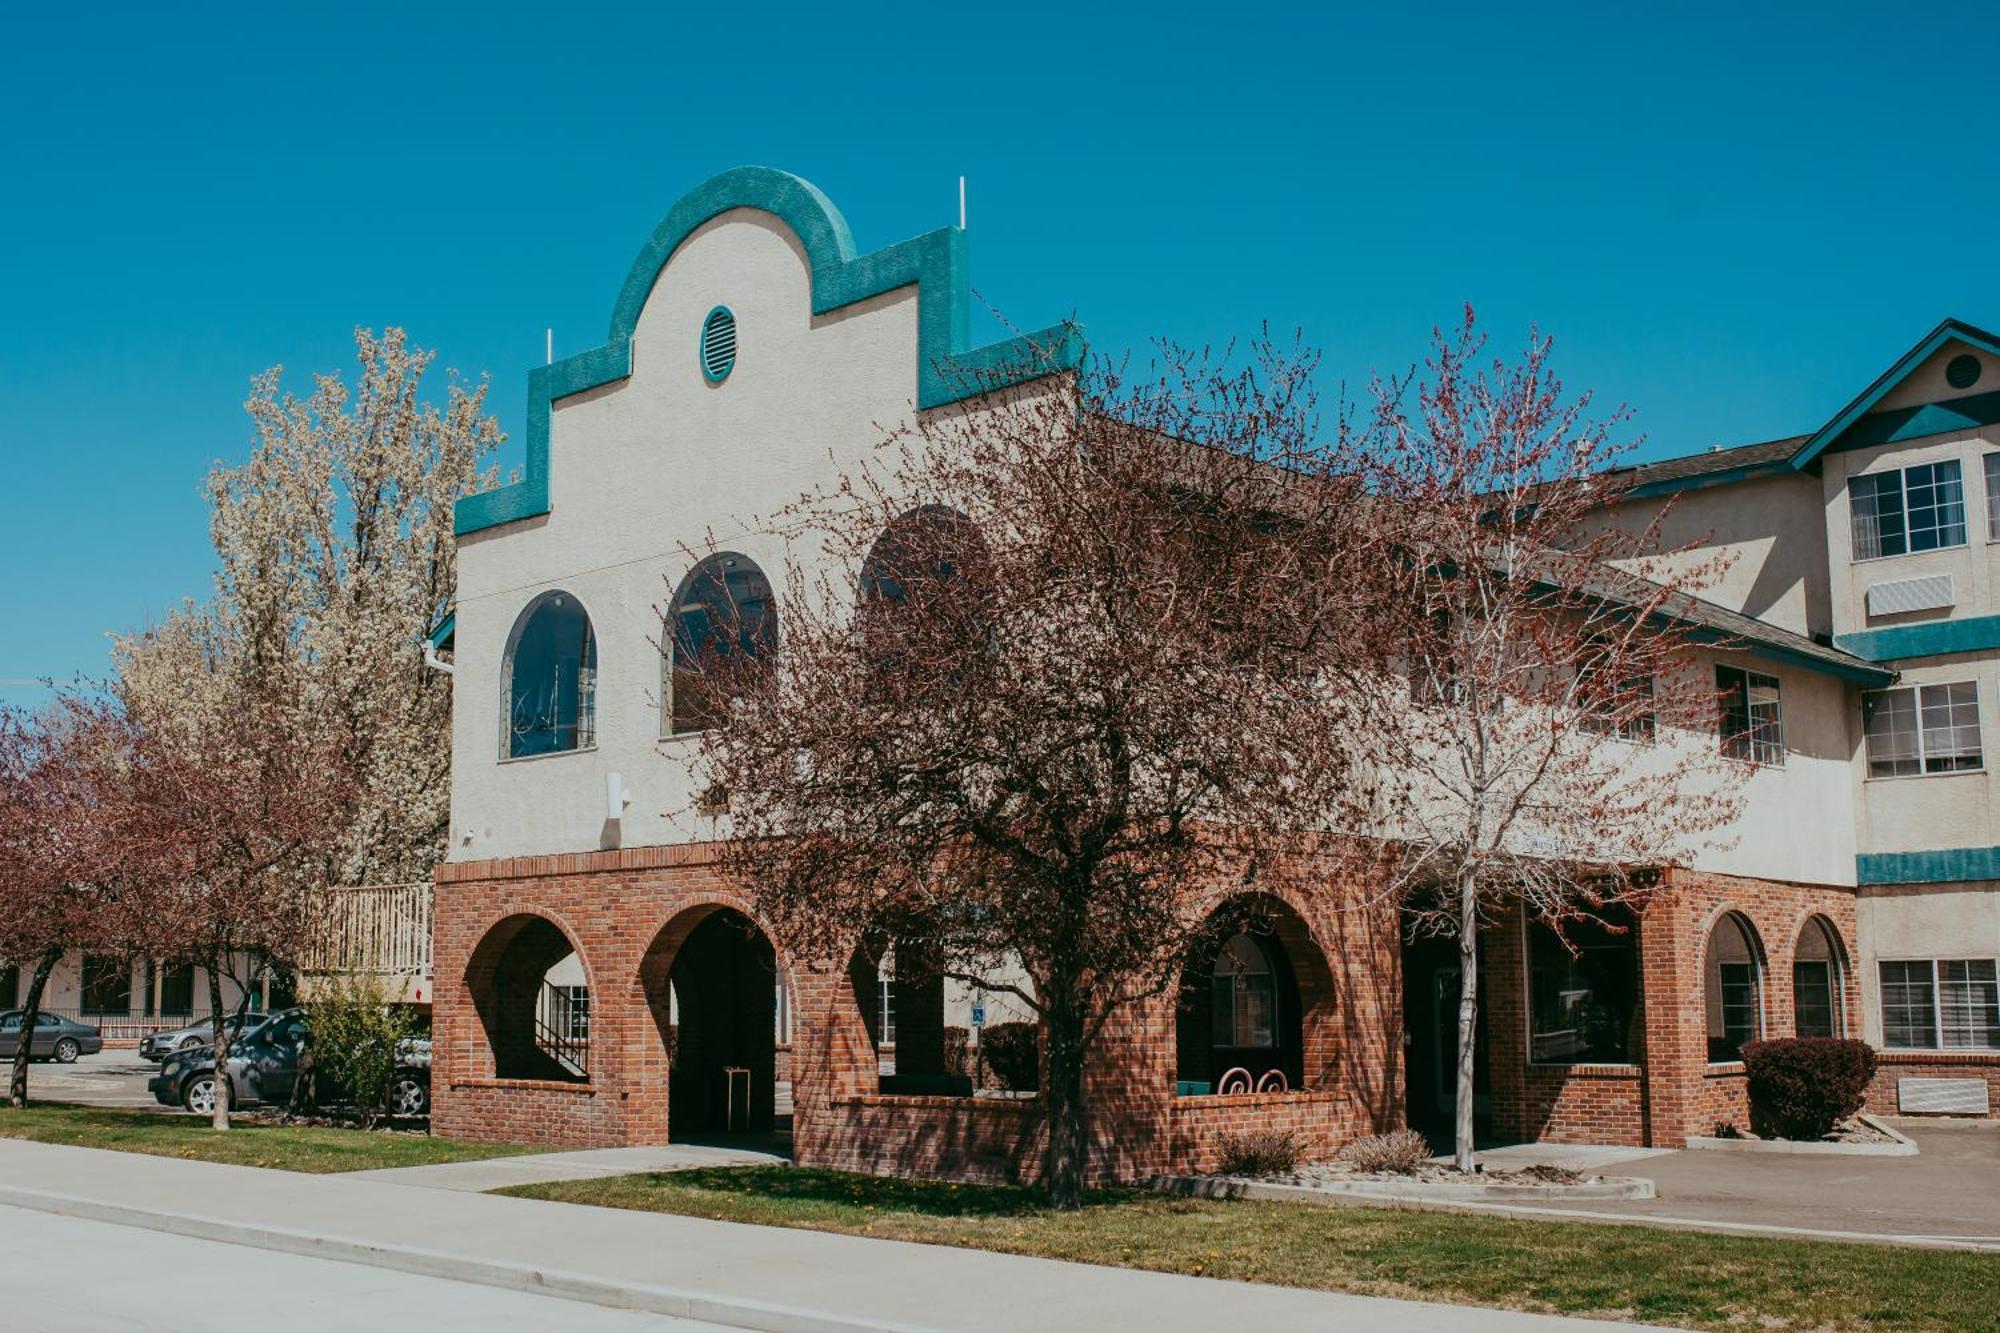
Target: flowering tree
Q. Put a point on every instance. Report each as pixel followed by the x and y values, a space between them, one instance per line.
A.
pixel 61 868
pixel 336 556
pixel 1553 745
pixel 1074 635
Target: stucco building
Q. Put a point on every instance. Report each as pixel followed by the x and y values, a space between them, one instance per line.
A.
pixel 754 351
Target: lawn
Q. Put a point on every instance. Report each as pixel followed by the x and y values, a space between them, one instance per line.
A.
pixel 249 1142
pixel 1645 1274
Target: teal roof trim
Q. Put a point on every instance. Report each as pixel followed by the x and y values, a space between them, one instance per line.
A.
pixel 1702 480
pixel 441 633
pixel 1952 330
pixel 936 263
pixel 1942 866
pixel 1933 638
pixel 1861 673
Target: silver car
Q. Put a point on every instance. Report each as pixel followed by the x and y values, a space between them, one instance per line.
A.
pixel 56 1038
pixel 157 1046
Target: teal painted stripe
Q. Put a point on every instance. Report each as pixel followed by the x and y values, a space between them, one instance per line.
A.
pixel 1943 866
pixel 440 635
pixel 1970 634
pixel 1913 423
pixel 936 263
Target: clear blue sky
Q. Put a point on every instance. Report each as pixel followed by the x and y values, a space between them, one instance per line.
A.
pixel 1731 219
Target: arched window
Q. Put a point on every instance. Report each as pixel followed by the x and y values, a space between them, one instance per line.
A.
pixel 1734 977
pixel 920 613
pixel 1817 990
pixel 1245 996
pixel 723 615
pixel 550 688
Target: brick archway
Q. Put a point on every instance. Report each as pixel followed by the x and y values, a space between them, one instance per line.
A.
pixel 504 979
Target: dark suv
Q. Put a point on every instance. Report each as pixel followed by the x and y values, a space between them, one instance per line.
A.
pixel 264 1065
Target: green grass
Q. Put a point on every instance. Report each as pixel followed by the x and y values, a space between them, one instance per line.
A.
pixel 1651 1275
pixel 249 1141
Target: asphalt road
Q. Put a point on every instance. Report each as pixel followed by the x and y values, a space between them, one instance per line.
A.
pixel 66 1275
pixel 109 1078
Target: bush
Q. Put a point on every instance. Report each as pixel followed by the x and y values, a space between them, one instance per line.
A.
pixel 957 1055
pixel 1013 1052
pixel 1261 1152
pixel 1802 1087
pixel 352 1034
pixel 1399 1152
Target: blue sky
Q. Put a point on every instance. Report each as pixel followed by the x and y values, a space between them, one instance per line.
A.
pixel 1730 218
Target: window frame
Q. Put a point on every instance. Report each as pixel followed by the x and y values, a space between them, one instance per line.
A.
pixel 1916 692
pixel 1906 533
pixel 590 673
pixel 1991 467
pixel 1748 736
pixel 1528 998
pixel 764 629
pixel 1758 963
pixel 1937 1026
pixel 1223 997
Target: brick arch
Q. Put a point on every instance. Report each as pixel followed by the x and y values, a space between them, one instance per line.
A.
pixel 1305 984
pixel 516 945
pixel 1773 1009
pixel 727 994
pixel 1846 995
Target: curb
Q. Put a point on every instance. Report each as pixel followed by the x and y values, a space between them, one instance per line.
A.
pixel 680 1302
pixel 1210 1187
pixel 1903 1146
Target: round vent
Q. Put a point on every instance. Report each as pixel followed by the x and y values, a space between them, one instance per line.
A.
pixel 1962 372
pixel 718 344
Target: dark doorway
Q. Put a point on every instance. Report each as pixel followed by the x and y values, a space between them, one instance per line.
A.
pixel 723 1040
pixel 1240 1003
pixel 1430 1026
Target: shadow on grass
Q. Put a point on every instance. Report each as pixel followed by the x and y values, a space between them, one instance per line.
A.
pixel 932 1198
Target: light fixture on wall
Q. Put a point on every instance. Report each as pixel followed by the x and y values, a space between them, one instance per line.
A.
pixel 616 798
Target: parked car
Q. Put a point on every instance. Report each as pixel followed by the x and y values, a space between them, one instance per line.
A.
pixel 264 1065
pixel 56 1038
pixel 157 1046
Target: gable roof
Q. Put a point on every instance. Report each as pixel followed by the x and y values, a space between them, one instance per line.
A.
pixel 1951 330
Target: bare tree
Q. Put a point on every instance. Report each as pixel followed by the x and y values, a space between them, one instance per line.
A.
pixel 1554 745
pixel 59 863
pixel 1071 670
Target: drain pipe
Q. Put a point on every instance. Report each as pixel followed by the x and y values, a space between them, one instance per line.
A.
pixel 431 658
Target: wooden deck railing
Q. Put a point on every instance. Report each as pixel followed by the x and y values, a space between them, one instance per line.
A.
pixel 375 929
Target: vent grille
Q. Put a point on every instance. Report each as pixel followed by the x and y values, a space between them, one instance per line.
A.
pixel 718 344
pixel 1932 592
pixel 1962 372
pixel 1942 1096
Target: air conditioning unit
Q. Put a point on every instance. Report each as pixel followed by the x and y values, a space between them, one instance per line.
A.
pixel 1932 592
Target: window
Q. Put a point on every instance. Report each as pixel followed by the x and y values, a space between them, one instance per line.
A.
pixel 107 985
pixel 10 987
pixel 1245 996
pixel 1734 989
pixel 551 685
pixel 1993 497
pixel 1919 508
pixel 723 616
pixel 1816 988
pixel 177 990
pixel 1753 726
pixel 1583 995
pixel 886 1006
pixel 1947 1004
pixel 575 1010
pixel 1922 729
pixel 1622 709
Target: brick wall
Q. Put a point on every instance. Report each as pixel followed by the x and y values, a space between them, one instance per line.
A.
pixel 1893 1065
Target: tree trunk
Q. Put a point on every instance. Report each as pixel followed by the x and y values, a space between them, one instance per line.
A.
pixel 31 1009
pixel 1062 1095
pixel 1468 1018
pixel 220 1035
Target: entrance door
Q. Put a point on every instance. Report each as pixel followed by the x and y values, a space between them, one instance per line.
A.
pixel 1430 1063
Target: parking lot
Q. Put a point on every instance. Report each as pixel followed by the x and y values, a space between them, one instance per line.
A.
pixel 109 1078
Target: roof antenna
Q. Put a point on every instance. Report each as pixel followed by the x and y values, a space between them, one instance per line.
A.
pixel 549 336
pixel 961 203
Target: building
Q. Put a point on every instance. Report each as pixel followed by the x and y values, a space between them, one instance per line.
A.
pixel 753 351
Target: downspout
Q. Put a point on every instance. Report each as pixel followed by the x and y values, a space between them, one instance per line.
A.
pixel 431 658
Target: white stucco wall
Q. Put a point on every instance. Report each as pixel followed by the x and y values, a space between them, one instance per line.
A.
pixel 1924 921
pixel 644 474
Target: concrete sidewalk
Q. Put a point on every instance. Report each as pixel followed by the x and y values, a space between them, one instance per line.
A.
pixel 743 1276
pixel 495 1173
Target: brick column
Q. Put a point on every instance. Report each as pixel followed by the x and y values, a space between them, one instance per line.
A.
pixel 1676 1027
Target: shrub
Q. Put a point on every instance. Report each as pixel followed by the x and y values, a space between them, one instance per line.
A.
pixel 353 1033
pixel 1260 1152
pixel 1802 1087
pixel 1013 1052
pixel 957 1056
pixel 1399 1152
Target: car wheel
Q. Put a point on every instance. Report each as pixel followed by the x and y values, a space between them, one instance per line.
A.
pixel 409 1097
pixel 67 1050
pixel 189 1043
pixel 198 1094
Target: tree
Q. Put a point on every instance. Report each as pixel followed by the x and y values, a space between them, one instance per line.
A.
pixel 1536 636
pixel 1085 678
pixel 336 555
pixel 239 791
pixel 59 858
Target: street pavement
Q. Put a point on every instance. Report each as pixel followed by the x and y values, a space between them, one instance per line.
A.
pixel 67 1275
pixel 109 1078
pixel 743 1276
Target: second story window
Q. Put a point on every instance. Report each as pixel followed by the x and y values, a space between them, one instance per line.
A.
pixel 1922 729
pixel 723 617
pixel 1753 725
pixel 1993 497
pixel 551 679
pixel 1919 508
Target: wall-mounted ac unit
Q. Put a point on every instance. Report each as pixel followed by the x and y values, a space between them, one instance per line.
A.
pixel 1932 592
